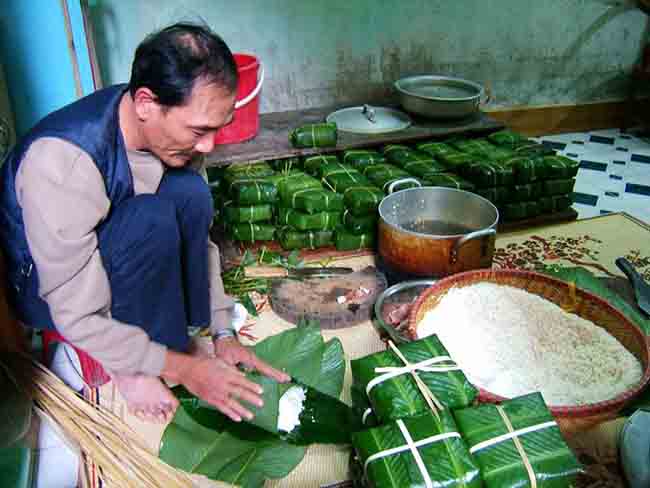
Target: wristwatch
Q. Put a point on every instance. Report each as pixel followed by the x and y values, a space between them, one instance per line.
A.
pixel 224 333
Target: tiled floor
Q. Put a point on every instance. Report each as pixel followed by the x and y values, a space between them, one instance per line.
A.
pixel 614 173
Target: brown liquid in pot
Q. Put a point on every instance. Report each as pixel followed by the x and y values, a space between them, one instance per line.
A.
pixel 436 227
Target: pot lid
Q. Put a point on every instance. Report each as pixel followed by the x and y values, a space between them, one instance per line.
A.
pixel 369 120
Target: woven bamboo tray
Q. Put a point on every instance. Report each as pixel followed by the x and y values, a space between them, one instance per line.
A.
pixel 570 418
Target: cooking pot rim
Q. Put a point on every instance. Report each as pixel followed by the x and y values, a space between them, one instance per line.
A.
pixel 443 189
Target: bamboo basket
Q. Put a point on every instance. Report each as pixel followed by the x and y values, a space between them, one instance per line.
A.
pixel 571 419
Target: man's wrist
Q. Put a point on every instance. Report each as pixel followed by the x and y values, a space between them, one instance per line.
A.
pixel 176 366
pixel 225 333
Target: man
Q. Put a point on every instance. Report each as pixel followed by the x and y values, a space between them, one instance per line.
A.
pixel 106 228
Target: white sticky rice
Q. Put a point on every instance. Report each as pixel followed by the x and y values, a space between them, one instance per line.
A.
pixel 511 342
pixel 290 407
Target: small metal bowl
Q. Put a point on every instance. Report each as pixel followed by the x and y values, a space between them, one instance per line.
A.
pixel 401 293
pixel 440 97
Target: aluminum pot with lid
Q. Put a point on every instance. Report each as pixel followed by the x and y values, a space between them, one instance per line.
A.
pixel 436 231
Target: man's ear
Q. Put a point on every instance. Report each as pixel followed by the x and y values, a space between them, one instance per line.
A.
pixel 146 103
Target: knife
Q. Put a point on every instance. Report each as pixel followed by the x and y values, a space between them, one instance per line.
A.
pixel 641 288
pixel 279 272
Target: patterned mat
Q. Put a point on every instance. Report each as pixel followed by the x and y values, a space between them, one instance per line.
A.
pixel 593 243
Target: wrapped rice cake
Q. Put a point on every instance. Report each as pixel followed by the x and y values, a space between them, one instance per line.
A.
pixel 313 200
pixel 455 161
pixel 394 393
pixel 304 221
pixel 360 225
pixel 255 170
pixel 314 135
pixel 396 153
pixel 558 187
pixel 362 200
pixel 249 213
pixel 437 149
pixel 316 165
pixel 360 158
pixel 422 451
pixel 250 232
pixel 486 174
pixel 448 180
pixel 347 241
pixel 561 167
pixel 506 138
pixel 291 239
pixel 290 183
pixel 497 194
pixel 518 443
pixel 526 170
pixel 380 174
pixel 286 164
pixel 520 210
pixel 253 192
pixel 475 147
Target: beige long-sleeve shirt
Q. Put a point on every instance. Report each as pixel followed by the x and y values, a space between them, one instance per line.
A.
pixel 63 199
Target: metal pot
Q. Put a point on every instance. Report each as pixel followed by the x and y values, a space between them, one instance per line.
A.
pixel 435 231
pixel 440 97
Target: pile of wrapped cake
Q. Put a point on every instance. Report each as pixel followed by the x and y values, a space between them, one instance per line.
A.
pixel 422 427
pixel 331 200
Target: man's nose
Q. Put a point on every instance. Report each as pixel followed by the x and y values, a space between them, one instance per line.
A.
pixel 205 144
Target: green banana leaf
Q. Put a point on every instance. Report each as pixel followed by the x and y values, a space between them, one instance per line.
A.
pixel 241 453
pixel 314 135
pixel 554 464
pixel 447 462
pixel 475 147
pixel 526 169
pixel 400 397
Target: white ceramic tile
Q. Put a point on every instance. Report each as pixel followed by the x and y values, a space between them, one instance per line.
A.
pixel 605 132
pixel 587 179
pixel 637 173
pixel 585 211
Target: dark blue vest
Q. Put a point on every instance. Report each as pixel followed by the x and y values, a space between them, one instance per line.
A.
pixel 92 124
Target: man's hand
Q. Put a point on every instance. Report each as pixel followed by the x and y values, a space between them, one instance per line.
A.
pixel 214 381
pixel 232 352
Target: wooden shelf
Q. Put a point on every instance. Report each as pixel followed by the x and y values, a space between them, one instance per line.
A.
pixel 272 141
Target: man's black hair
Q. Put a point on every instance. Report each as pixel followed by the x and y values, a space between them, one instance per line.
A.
pixel 170 61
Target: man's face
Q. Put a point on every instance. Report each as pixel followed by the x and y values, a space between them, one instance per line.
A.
pixel 178 134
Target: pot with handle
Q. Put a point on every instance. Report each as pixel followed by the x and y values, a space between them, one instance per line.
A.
pixel 435 231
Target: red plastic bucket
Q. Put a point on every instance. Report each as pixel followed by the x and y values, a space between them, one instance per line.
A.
pixel 246 122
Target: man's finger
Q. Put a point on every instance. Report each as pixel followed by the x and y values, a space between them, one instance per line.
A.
pixel 225 409
pixel 268 370
pixel 246 384
pixel 236 407
pixel 247 396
